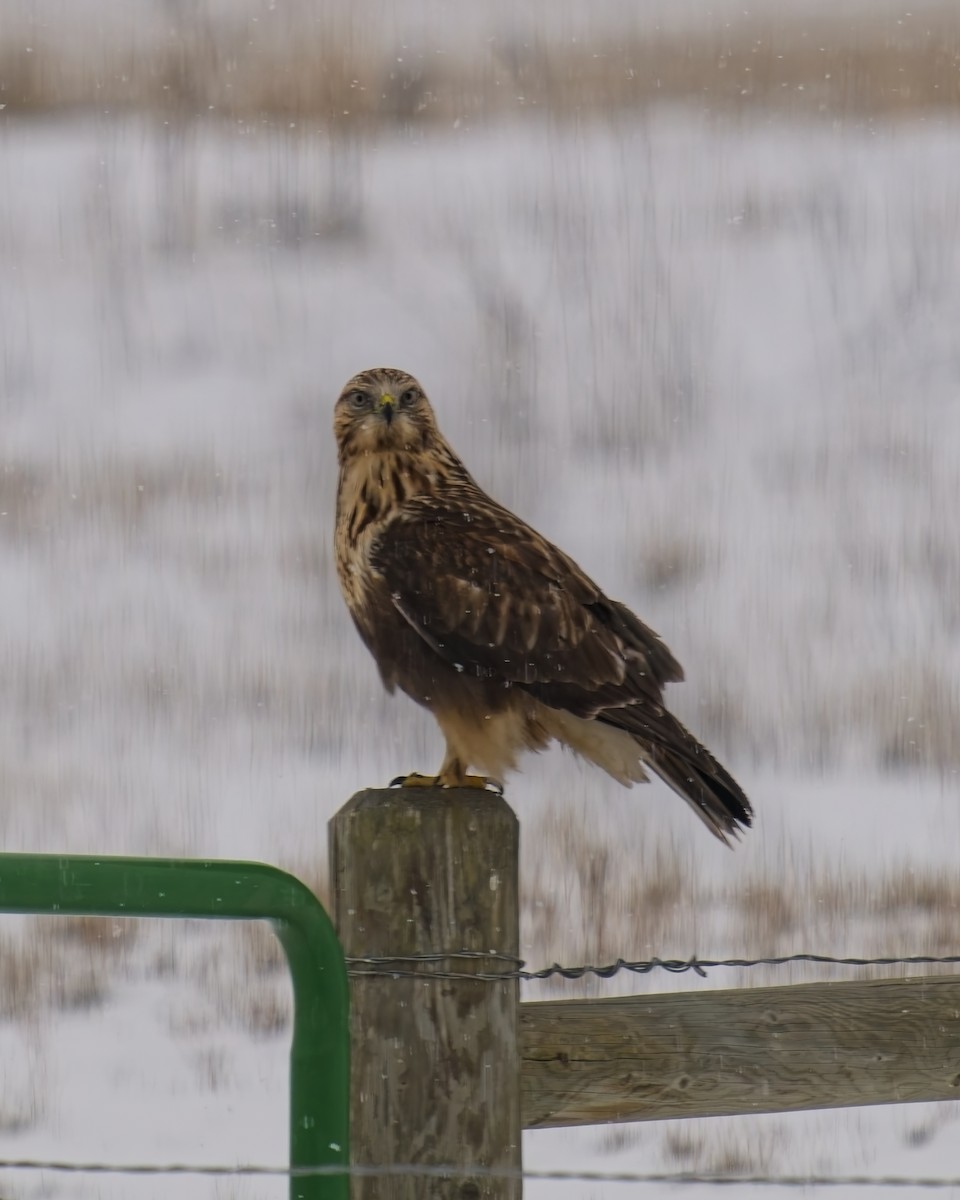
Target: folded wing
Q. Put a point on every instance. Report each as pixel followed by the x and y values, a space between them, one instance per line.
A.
pixel 492 596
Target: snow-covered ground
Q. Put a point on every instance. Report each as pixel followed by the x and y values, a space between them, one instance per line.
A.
pixel 716 359
pixel 439 24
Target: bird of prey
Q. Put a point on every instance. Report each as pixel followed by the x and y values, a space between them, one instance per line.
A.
pixel 473 614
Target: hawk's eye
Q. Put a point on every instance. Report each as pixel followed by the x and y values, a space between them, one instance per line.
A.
pixel 358 399
pixel 408 397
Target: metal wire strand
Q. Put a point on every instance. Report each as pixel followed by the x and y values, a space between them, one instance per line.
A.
pixel 399 967
pixel 456 1170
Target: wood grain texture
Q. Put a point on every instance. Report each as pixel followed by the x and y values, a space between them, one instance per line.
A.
pixel 755 1050
pixel 435 1063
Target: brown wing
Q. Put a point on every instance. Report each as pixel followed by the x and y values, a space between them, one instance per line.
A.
pixel 493 597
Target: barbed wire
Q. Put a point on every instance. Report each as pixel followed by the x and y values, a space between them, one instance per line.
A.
pixel 398 966
pixel 446 1170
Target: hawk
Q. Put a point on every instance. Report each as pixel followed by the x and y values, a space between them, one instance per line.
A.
pixel 475 616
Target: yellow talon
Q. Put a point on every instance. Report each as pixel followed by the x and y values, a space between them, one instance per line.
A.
pixel 415 780
pixel 469 781
pixel 447 781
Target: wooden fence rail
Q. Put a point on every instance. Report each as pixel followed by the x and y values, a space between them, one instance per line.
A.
pixel 749 1050
pixel 451 1070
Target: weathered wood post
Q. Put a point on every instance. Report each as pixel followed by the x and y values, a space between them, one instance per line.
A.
pixel 435 1061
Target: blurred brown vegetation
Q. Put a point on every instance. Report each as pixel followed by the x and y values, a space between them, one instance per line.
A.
pixel 199 67
pixel 611 900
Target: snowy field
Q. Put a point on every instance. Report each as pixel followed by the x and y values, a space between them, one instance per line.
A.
pixel 716 359
pixel 439 23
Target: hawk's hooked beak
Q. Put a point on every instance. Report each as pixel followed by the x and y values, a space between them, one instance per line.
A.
pixel 388 407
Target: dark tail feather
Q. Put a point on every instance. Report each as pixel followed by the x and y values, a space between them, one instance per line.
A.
pixel 671 750
pixel 709 789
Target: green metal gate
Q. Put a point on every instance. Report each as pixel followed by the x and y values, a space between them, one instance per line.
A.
pixel 147 887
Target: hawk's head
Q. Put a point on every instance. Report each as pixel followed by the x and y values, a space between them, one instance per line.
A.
pixel 383 409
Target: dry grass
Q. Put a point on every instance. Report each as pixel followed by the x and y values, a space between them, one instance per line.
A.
pixel 767 911
pixel 21 979
pixel 23 1094
pixel 61 963
pixel 80 955
pixel 700 1147
pixel 903 716
pixel 39 501
pixel 815 67
pixel 72 963
pixel 603 902
pixel 242 978
pixel 589 898
pixel 666 563
pixel 916 712
pixel 592 900
pixel 213 1069
pixel 923 891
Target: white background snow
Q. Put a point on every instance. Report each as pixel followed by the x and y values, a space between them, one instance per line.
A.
pixel 715 356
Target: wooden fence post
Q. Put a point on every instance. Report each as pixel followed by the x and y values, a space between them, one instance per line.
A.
pixel 435 1061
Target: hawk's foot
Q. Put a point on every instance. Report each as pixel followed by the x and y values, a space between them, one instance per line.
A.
pixel 415 780
pixel 447 780
pixel 456 779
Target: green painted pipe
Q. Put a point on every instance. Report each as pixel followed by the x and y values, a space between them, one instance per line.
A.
pixel 238 891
